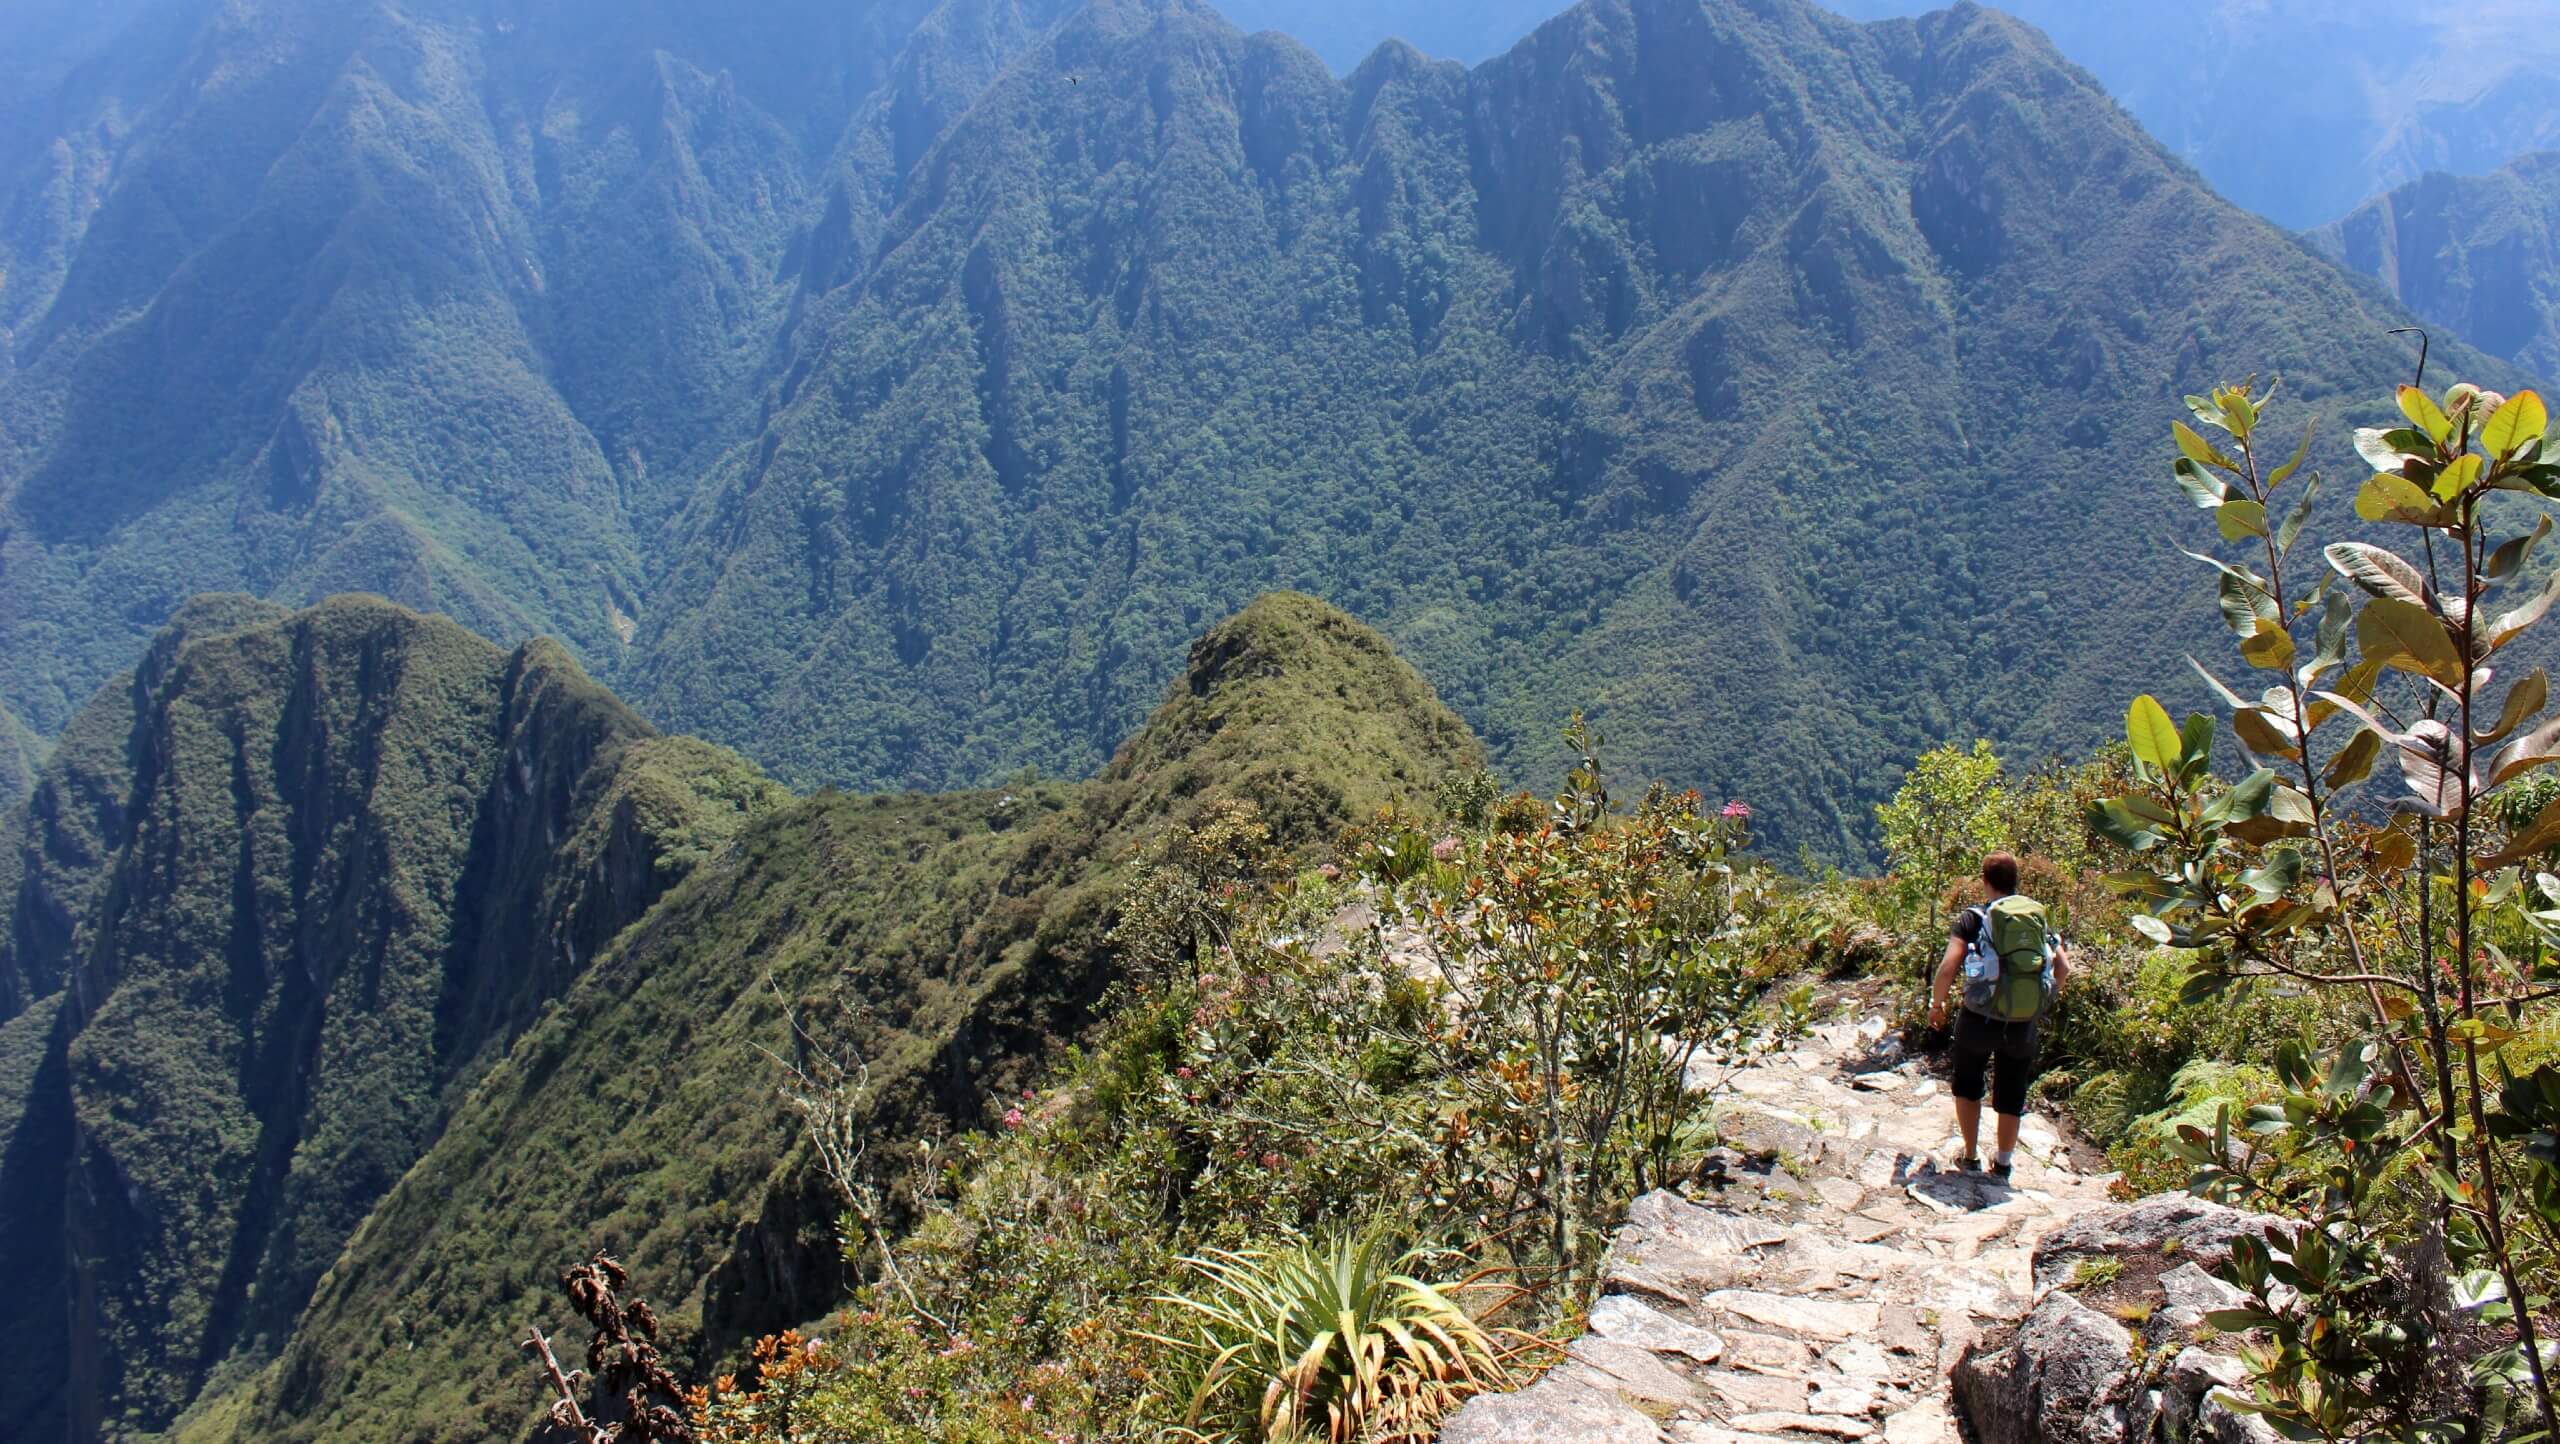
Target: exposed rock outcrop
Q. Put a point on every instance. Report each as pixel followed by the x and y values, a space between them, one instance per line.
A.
pixel 2111 1354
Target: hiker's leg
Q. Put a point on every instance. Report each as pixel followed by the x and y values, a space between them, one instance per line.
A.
pixel 2015 1060
pixel 1968 1061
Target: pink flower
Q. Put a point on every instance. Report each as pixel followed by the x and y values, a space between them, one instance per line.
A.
pixel 1271 1160
pixel 1182 1072
pixel 1013 1118
pixel 1445 849
pixel 1738 811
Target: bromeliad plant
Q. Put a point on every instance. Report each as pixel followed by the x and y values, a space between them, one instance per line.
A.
pixel 2427 921
pixel 1333 1340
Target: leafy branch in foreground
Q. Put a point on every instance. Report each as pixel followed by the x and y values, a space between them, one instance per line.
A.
pixel 2423 1124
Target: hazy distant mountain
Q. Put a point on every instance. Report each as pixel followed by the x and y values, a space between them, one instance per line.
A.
pixel 2300 109
pixel 2479 256
pixel 889 391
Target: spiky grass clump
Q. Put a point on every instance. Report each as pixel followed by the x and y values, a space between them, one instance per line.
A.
pixel 1328 1340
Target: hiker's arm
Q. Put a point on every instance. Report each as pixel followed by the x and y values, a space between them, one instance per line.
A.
pixel 2061 969
pixel 1945 980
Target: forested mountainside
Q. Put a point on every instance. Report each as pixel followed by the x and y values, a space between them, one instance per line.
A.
pixel 2301 109
pixel 373 1001
pixel 1770 384
pixel 444 301
pixel 1765 382
pixel 2478 255
pixel 275 904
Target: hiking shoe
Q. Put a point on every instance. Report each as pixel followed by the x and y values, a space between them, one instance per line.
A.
pixel 2000 1171
pixel 1968 1164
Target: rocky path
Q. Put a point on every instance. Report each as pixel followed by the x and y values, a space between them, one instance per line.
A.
pixel 1821 1278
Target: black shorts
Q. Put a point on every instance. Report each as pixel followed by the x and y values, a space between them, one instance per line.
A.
pixel 1979 1041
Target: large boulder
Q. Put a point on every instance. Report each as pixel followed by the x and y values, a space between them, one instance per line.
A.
pixel 2110 1354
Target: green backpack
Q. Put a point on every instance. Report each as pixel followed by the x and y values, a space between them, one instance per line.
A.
pixel 2008 969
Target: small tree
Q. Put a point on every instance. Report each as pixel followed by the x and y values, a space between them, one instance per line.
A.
pixel 1941 820
pixel 2427 920
pixel 1592 961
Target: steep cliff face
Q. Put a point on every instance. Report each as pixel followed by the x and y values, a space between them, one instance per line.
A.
pixel 952 943
pixel 2478 254
pixel 339 858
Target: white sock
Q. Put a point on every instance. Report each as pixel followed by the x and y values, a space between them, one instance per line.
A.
pixel 2000 1159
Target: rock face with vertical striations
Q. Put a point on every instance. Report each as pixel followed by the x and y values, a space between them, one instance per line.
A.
pixel 362 969
pixel 283 895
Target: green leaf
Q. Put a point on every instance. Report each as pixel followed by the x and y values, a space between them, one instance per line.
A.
pixel 2425 414
pixel 2199 450
pixel 2523 700
pixel 2506 627
pixel 2354 762
pixel 2379 572
pixel 2539 835
pixel 2520 421
pixel 2293 463
pixel 2195 743
pixel 2153 735
pixel 2257 731
pixel 2229 697
pixel 2244 606
pixel 2240 519
pixel 2206 491
pixel 2511 553
pixel 2374 445
pixel 2271 646
pixel 2527 752
pixel 2385 497
pixel 2407 636
pixel 2291 527
pixel 2459 475
pixel 2150 927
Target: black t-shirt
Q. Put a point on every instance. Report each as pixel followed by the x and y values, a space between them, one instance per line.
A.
pixel 1966 927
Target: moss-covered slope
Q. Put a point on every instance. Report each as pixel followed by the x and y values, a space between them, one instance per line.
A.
pixel 951 941
pixel 302 876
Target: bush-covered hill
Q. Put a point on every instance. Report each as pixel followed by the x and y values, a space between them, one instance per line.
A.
pixel 277 902
pixel 2476 254
pixel 373 1000
pixel 890 391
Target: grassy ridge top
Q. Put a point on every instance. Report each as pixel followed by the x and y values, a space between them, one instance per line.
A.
pixel 406 967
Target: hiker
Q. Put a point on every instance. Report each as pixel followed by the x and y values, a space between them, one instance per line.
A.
pixel 2013 967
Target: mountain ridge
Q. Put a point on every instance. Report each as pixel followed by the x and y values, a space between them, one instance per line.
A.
pixel 980 380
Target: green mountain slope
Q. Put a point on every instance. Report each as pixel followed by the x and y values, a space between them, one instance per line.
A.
pixel 890 391
pixel 280 899
pixel 1782 388
pixel 2478 255
pixel 443 302
pixel 953 941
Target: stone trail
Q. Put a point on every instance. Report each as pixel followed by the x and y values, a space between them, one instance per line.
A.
pixel 1821 1279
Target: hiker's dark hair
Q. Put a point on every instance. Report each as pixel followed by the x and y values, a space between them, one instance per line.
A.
pixel 2000 871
